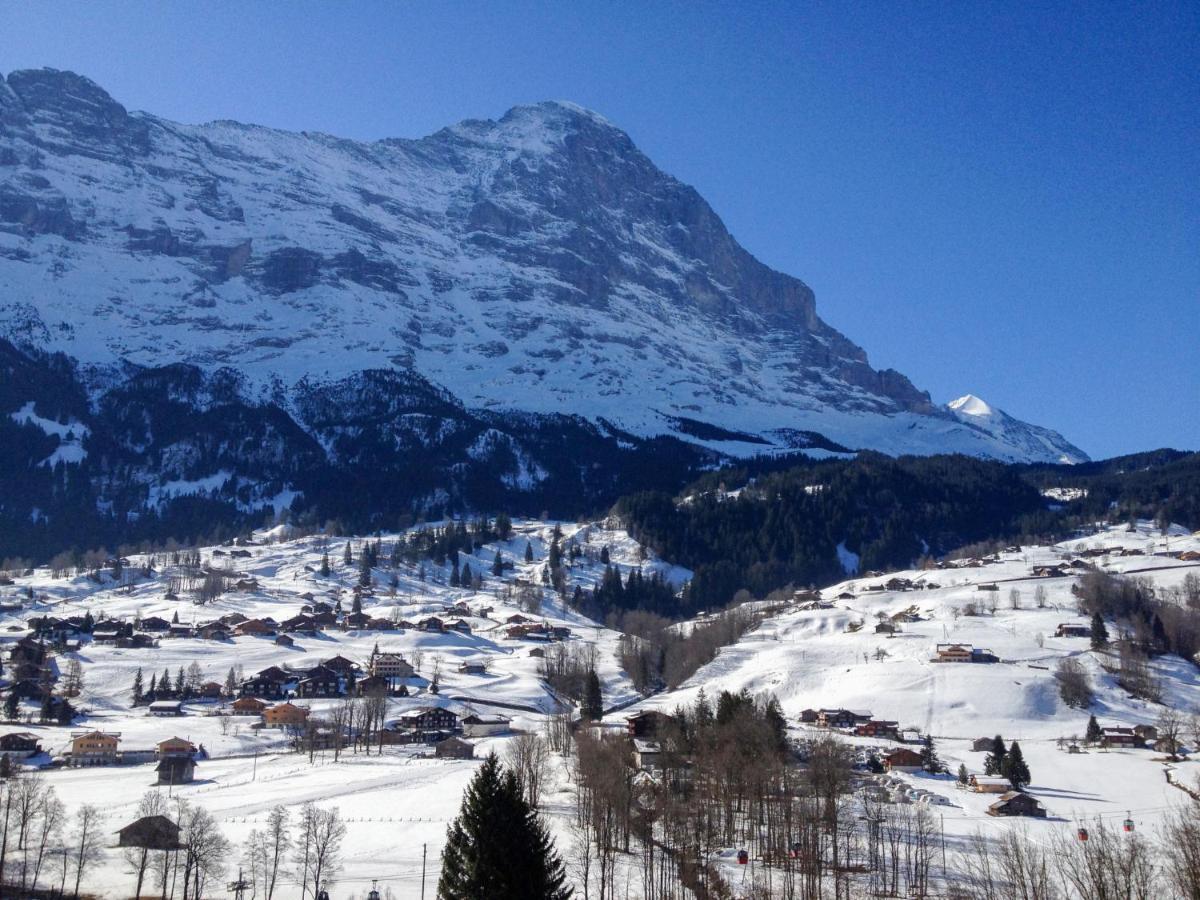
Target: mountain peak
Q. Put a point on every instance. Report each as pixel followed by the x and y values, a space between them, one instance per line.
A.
pixel 75 113
pixel 537 263
pixel 970 405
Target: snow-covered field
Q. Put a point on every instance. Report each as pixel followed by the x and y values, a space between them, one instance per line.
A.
pixel 393 803
pixel 809 659
pixel 400 802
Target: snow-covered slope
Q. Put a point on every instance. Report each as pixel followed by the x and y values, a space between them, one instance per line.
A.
pixel 1027 441
pixel 538 263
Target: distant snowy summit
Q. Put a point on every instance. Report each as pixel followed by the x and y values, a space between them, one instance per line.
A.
pixel 538 264
pixel 1030 442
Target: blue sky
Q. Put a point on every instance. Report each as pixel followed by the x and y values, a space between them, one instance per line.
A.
pixel 1001 199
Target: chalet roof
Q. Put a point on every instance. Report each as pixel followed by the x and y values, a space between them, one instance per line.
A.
pixel 475 719
pixel 154 832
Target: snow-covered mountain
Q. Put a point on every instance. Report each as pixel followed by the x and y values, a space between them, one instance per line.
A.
pixel 538 263
pixel 1027 442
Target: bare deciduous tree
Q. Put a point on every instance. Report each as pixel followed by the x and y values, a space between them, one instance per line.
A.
pixel 528 756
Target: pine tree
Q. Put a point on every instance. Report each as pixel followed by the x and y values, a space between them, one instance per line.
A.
pixel 503 526
pixel 348 556
pixel 325 565
pixel 137 687
pixel 231 684
pixel 356 606
pixel 498 565
pixel 604 557
pixel 364 571
pixel 179 683
pixel 455 579
pixel 175 618
pixel 466 579
pixel 929 758
pixel 963 778
pixel 1093 733
pixel 528 552
pixel 1099 632
pixel 152 691
pixel 995 760
pixel 12 707
pixel 593 702
pixel 777 722
pixel 1014 767
pixel 164 683
pixel 497 848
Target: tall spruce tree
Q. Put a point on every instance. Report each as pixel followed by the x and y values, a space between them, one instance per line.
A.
pixel 1014 767
pixel 930 761
pixel 497 848
pixel 137 687
pixel 1099 632
pixel 593 702
pixel 994 763
pixel 498 565
pixel 528 552
pixel 1093 733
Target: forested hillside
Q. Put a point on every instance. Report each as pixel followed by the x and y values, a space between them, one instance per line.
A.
pixel 760 527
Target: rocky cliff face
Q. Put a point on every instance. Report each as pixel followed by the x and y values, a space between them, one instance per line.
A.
pixel 539 264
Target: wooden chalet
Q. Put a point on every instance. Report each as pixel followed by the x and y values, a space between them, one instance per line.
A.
pixel 428 718
pixel 648 723
pixel 372 684
pixel 257 627
pixel 391 666
pixel 176 770
pixel 476 725
pixel 165 708
pixel 1118 736
pixel 454 748
pixel 963 653
pixel 300 624
pixel 1073 630
pixel 879 728
pixel 94 748
pixel 175 746
pixel 285 715
pixel 902 760
pixel 842 718
pixel 20 744
pixel 151 833
pixel 1017 803
pixel 271 683
pixel 248 706
pixel 320 681
pixel 988 784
